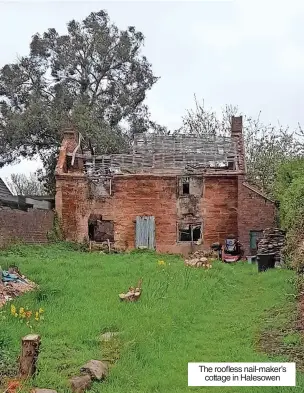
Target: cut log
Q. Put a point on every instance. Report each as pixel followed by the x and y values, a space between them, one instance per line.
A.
pixel 29 355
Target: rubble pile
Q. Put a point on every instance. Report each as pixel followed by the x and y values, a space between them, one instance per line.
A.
pixel 273 241
pixel 201 258
pixel 13 284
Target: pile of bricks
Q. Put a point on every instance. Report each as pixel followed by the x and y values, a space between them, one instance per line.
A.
pixel 273 241
pixel 201 258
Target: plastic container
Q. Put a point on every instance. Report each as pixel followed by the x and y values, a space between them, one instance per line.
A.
pixel 266 261
pixel 251 259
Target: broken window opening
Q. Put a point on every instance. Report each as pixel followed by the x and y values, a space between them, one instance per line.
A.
pixel 100 230
pixel 196 233
pixel 189 233
pixel 186 188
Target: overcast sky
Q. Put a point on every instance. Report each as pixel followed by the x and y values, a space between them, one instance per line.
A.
pixel 246 53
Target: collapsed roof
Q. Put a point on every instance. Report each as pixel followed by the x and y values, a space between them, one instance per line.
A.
pixel 159 153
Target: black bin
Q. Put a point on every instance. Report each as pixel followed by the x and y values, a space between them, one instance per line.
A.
pixel 265 261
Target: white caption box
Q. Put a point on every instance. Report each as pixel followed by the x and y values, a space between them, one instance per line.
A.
pixel 241 374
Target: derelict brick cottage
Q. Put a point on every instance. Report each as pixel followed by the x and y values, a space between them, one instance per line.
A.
pixel 171 193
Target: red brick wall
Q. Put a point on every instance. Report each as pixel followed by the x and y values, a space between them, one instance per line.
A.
pixel 136 196
pixel 255 213
pixel 74 206
pixel 132 196
pixel 219 205
pixel 31 226
pixel 227 207
pixel 146 195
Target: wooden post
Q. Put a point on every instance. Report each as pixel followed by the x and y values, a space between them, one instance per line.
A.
pixel 29 355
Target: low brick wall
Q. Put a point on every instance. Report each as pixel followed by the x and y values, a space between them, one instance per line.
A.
pixel 30 227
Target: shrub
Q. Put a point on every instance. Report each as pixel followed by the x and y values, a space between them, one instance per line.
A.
pixel 290 193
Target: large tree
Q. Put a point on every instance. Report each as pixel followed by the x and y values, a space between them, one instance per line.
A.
pixel 94 77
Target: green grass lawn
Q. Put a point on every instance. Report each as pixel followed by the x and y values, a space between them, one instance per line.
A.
pixel 184 315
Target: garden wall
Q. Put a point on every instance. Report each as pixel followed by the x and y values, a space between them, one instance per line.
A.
pixel 28 226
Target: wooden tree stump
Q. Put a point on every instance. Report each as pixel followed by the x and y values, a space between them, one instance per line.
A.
pixel 29 355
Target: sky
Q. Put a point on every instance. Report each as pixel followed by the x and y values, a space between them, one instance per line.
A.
pixel 246 53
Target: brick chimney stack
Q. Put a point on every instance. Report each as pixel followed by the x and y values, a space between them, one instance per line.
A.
pixel 237 136
pixel 236 126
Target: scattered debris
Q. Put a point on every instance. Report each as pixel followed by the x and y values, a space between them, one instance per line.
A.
pixel 108 336
pixel 133 294
pixel 13 284
pixel 80 384
pixel 105 247
pixel 96 369
pixel 201 259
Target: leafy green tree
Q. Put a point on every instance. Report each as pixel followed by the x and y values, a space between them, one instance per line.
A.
pixel 289 191
pixel 289 188
pixel 94 77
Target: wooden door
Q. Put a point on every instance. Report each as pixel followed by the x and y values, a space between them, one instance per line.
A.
pixel 145 232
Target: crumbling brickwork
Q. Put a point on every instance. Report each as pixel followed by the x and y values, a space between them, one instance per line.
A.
pixel 132 196
pixel 28 226
pixel 148 196
pixel 215 202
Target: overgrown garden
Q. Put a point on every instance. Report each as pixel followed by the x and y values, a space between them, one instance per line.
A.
pixel 226 313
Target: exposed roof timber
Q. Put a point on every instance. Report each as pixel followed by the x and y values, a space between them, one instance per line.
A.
pixel 155 152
